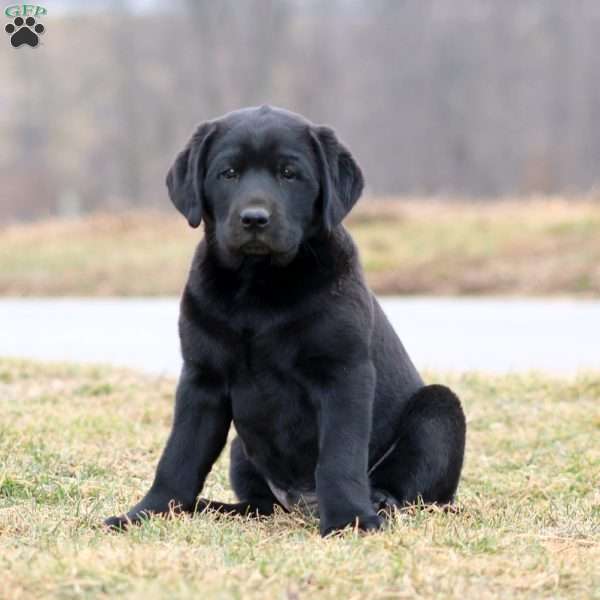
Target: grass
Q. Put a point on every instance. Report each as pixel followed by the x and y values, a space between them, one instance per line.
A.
pixel 80 443
pixel 411 246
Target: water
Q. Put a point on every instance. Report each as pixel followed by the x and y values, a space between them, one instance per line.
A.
pixel 443 333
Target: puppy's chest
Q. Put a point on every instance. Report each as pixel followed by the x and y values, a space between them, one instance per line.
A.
pixel 270 393
pixel 275 369
pixel 287 352
pixel 274 408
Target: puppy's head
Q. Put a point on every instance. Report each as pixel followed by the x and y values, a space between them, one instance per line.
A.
pixel 264 179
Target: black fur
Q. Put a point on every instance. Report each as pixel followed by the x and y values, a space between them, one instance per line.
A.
pixel 281 337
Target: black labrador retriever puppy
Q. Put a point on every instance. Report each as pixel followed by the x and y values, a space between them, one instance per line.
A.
pixel 281 337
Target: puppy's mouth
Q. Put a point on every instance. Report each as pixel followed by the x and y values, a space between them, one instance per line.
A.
pixel 255 248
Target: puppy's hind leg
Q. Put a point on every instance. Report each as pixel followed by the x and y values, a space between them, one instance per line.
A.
pixel 256 498
pixel 427 459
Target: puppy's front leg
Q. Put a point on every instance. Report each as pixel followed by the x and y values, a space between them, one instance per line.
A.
pixel 344 431
pixel 199 432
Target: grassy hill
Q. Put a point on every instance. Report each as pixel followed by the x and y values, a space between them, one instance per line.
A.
pixel 409 246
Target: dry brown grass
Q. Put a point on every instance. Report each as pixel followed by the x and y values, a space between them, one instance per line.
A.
pixel 543 246
pixel 80 443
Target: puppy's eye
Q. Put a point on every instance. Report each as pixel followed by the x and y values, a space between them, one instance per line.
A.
pixel 287 172
pixel 230 173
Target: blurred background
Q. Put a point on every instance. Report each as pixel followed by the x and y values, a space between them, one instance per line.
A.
pixel 470 97
pixel 448 106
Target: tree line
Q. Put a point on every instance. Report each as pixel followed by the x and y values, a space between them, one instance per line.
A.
pixel 471 97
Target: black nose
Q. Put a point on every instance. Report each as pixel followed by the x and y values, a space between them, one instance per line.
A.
pixel 255 217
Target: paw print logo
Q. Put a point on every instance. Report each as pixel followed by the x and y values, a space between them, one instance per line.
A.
pixel 24 32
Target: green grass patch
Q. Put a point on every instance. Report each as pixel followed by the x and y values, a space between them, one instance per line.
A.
pixel 81 443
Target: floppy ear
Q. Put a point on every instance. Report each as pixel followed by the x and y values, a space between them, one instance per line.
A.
pixel 185 178
pixel 341 178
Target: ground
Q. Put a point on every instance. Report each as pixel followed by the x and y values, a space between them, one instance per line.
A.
pixel 80 443
pixel 518 246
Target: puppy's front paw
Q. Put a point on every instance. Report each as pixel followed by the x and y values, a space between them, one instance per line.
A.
pixel 370 523
pixel 365 523
pixel 120 523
